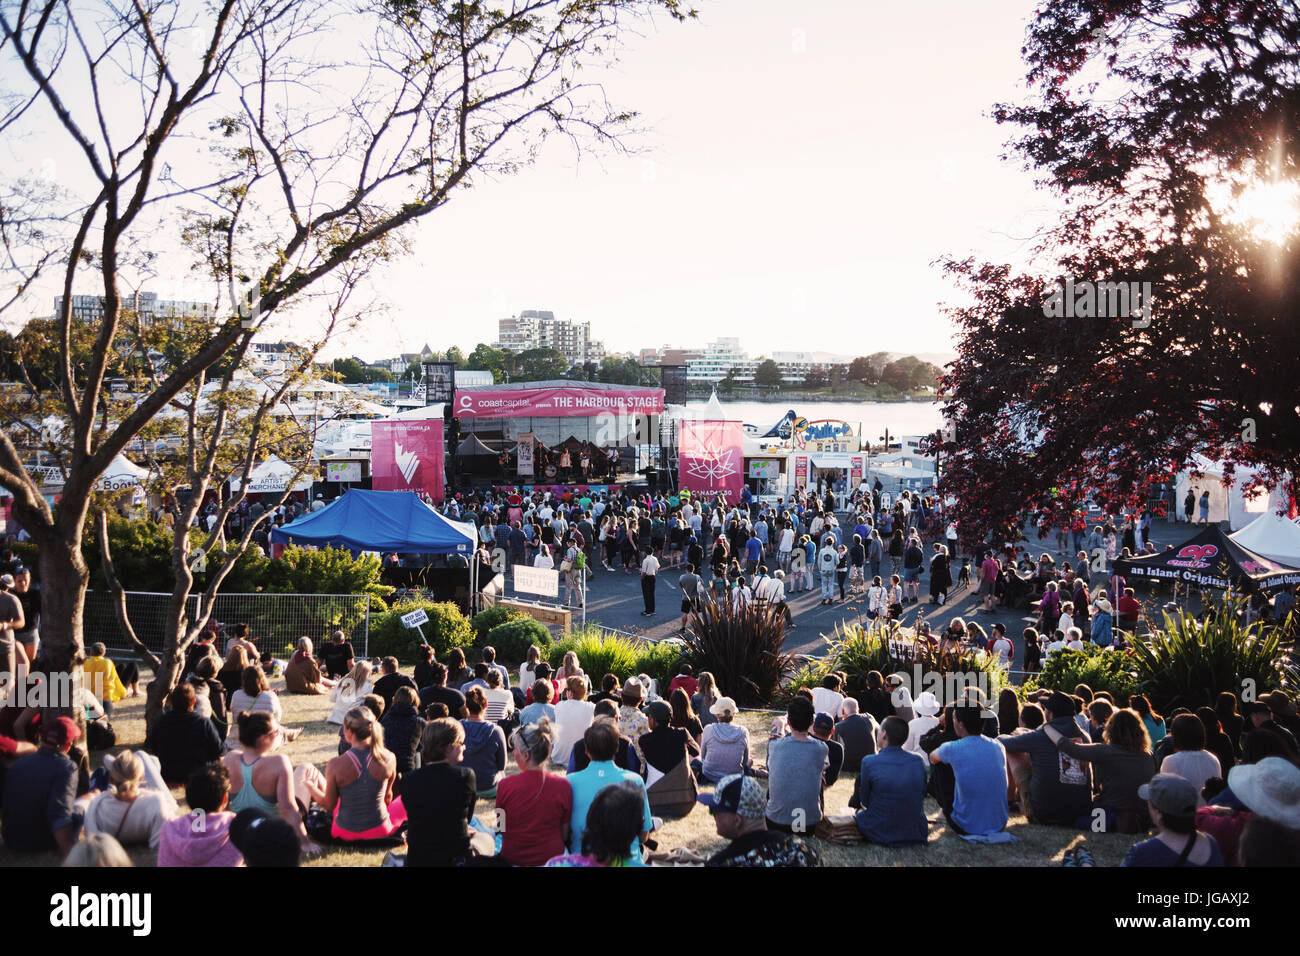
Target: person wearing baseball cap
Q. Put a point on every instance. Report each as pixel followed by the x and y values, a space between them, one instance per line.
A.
pixel 1172 803
pixel 38 808
pixel 738 806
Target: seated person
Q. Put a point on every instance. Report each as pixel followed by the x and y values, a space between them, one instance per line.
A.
pixel 738 806
pixel 670 785
pixel 38 810
pixel 1172 801
pixel 209 694
pixel 439 798
pixel 302 675
pixel 889 793
pixel 359 784
pixel 857 733
pixel 437 692
pixel 181 843
pixel 538 804
pixel 338 656
pixel 979 765
pixel 181 739
pixel 390 680
pixel 1054 786
pixel 724 745
pixel 100 676
pixel 485 744
pixel 266 781
pixel 130 812
pixel 402 728
pixel 822 729
pixel 795 765
pixel 625 757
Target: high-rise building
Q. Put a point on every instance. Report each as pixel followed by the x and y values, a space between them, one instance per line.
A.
pixel 90 308
pixel 719 358
pixel 535 329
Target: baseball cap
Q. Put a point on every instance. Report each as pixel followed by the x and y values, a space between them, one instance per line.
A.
pixel 737 794
pixel 723 705
pixel 60 730
pixel 823 722
pixel 264 840
pixel 660 711
pixel 1170 793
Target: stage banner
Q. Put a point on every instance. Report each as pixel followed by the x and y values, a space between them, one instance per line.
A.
pixel 525 449
pixel 407 456
pixel 556 402
pixel 711 460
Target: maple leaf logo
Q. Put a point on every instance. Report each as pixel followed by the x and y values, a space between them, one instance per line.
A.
pixel 713 466
pixel 407 461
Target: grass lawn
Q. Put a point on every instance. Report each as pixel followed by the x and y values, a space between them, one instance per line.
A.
pixel 1037 846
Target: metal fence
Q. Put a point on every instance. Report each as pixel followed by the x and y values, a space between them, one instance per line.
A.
pixel 275 621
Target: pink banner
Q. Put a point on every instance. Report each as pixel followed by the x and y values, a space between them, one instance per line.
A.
pixel 711 460
pixel 561 402
pixel 407 456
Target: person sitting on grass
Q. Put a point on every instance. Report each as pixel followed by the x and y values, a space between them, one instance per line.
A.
pixel 1122 764
pixel 437 692
pixel 485 744
pixel 391 680
pixel 538 804
pixel 181 739
pixel 347 693
pixel 611 831
pixel 624 757
pixel 601 744
pixel 131 813
pixel 183 842
pixel 403 725
pixel 979 765
pixel 254 696
pixel 1171 802
pixel 795 764
pixel 267 781
pixel 738 806
pixel 439 798
pixel 540 706
pixel 38 812
pixel 670 785
pixel 302 675
pixel 724 745
pixel 889 791
pixel 1058 786
pixel 359 784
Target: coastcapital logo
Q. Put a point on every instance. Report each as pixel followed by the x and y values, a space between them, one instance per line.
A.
pixel 466 403
pixel 75 909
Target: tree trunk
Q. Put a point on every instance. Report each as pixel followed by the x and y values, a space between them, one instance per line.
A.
pixel 64 576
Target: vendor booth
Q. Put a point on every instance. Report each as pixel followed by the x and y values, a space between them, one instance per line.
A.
pixel 1274 537
pixel 1211 560
pixel 391 522
pixel 1228 499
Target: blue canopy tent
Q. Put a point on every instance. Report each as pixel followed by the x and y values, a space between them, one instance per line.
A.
pixel 361 520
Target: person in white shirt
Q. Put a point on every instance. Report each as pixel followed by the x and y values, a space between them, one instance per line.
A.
pixel 877 597
pixel 649 575
pixel 785 546
pixel 926 707
pixel 131 811
pixel 827 699
pixel 1057 644
pixel 1075 642
pixel 500 702
pixel 1002 646
pixel 544 559
pixel 572 718
pixel 1066 620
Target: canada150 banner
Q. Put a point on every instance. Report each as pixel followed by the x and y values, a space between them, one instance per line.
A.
pixel 407 456
pixel 711 460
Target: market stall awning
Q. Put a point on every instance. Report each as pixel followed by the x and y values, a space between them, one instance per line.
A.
pixel 362 520
pixel 1211 560
pixel 272 477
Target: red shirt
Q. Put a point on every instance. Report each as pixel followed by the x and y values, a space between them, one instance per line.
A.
pixel 1129 607
pixel 989 570
pixel 686 683
pixel 534 808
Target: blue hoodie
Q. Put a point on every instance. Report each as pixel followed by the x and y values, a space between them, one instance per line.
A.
pixel 485 752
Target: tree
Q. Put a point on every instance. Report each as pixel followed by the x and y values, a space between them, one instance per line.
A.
pixel 817 377
pixel 862 370
pixel 283 176
pixel 909 373
pixel 455 355
pixel 768 373
pixel 1050 406
pixel 541 365
pixel 621 371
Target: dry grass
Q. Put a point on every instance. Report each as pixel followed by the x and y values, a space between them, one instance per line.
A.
pixel 1037 846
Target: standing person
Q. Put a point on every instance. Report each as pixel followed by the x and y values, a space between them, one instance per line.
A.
pixel 13 656
pixel 29 636
pixel 1205 507
pixel 1189 504
pixel 795 765
pixel 989 571
pixel 913 561
pixel 827 561
pixel 689 583
pixel 649 575
pixel 940 575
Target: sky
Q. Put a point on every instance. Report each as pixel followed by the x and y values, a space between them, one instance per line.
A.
pixel 802 169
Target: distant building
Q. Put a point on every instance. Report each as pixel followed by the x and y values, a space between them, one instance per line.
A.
pixel 717 360
pixel 90 308
pixel 535 329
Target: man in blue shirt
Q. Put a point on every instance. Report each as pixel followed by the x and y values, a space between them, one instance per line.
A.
pixel 890 790
pixel 979 765
pixel 753 553
pixel 40 792
pixel 601 743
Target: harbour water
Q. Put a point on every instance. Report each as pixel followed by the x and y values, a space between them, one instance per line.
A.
pixel 901 418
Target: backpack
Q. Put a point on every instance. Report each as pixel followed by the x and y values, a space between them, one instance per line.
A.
pixel 579 560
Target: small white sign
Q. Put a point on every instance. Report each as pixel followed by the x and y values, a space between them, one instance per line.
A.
pixel 536 581
pixel 415 618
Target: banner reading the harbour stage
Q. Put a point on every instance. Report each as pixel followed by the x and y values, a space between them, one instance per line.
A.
pixel 556 401
pixel 407 456
pixel 711 460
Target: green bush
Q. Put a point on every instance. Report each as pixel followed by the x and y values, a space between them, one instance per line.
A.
pixel 487 619
pixel 741 648
pixel 1100 669
pixel 325 571
pixel 513 638
pixel 1187 664
pixel 447 628
pixel 600 653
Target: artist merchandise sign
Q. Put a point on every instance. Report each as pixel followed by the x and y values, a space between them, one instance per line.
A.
pixel 560 402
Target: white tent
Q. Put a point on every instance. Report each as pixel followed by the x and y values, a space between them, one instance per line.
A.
pixel 272 477
pixel 1273 537
pixel 120 474
pixel 1228 501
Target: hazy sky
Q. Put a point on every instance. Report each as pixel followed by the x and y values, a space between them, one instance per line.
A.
pixel 803 167
pixel 802 172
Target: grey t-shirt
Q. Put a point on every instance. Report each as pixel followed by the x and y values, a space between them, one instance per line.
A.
pixel 794 785
pixel 10 609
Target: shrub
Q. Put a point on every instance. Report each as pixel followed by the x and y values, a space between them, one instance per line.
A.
pixel 742 649
pixel 600 653
pixel 487 619
pixel 1188 664
pixel 513 638
pixel 325 571
pixel 1100 669
pixel 447 628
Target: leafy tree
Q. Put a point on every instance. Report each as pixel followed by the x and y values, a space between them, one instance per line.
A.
pixel 540 365
pixel 454 354
pixel 768 373
pixel 1200 110
pixel 817 377
pixel 621 371
pixel 301 172
pixel 863 370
